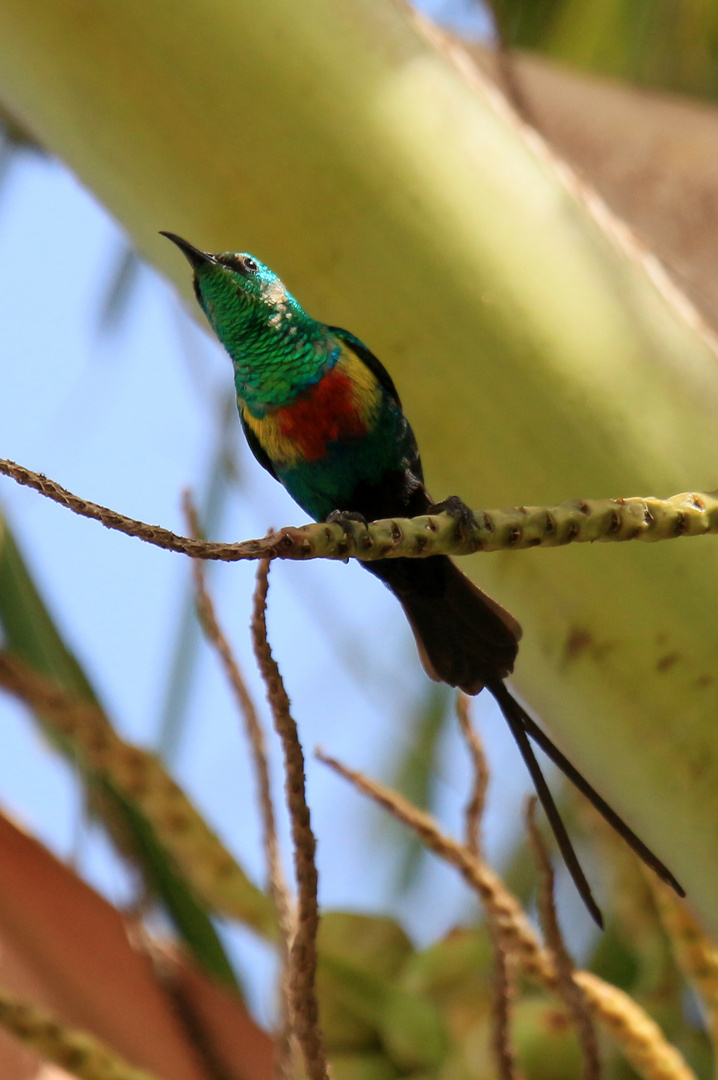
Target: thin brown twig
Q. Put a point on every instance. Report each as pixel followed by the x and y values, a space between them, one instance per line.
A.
pixel 639 1037
pixel 503 997
pixel 475 807
pixel 151 534
pixel 503 989
pixel 303 952
pixel 255 736
pixel 566 985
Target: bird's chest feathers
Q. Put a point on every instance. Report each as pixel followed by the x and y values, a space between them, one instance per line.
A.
pixel 340 407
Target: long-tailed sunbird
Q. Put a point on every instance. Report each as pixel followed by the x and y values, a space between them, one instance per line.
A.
pixel 322 415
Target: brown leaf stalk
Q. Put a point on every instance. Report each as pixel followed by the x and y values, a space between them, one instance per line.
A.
pixel 304 1014
pixel 475 807
pixel 566 985
pixel 255 737
pixel 501 1020
pixel 503 989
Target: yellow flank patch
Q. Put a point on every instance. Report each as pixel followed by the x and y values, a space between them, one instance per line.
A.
pixel 282 450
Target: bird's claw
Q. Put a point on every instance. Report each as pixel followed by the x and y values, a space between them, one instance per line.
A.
pixel 345 519
pixel 458 510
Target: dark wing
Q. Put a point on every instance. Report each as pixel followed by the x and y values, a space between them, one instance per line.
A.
pixel 384 380
pixel 367 357
pixel 257 449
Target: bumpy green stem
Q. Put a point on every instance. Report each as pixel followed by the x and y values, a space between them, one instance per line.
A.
pixel 578 521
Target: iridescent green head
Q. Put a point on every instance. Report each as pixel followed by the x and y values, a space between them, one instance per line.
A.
pixel 277 350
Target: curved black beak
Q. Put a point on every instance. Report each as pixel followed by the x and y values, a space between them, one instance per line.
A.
pixel 191 253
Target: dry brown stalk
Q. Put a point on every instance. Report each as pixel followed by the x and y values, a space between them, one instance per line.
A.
pixel 501 1019
pixel 255 737
pixel 503 989
pixel 475 806
pixel 151 534
pixel 566 985
pixel 640 1039
pixel 303 953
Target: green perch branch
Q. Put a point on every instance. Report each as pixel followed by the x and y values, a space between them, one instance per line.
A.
pixel 578 521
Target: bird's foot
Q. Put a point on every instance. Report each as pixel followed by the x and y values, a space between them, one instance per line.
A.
pixel 344 518
pixel 458 510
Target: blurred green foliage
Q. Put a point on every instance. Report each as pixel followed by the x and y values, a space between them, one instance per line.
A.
pixel 662 44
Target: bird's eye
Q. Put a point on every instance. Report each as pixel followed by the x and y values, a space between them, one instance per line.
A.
pixel 243 264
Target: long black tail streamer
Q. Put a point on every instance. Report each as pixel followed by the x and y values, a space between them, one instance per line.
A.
pixel 523 728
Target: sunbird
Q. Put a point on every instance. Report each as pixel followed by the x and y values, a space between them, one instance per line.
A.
pixel 322 415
